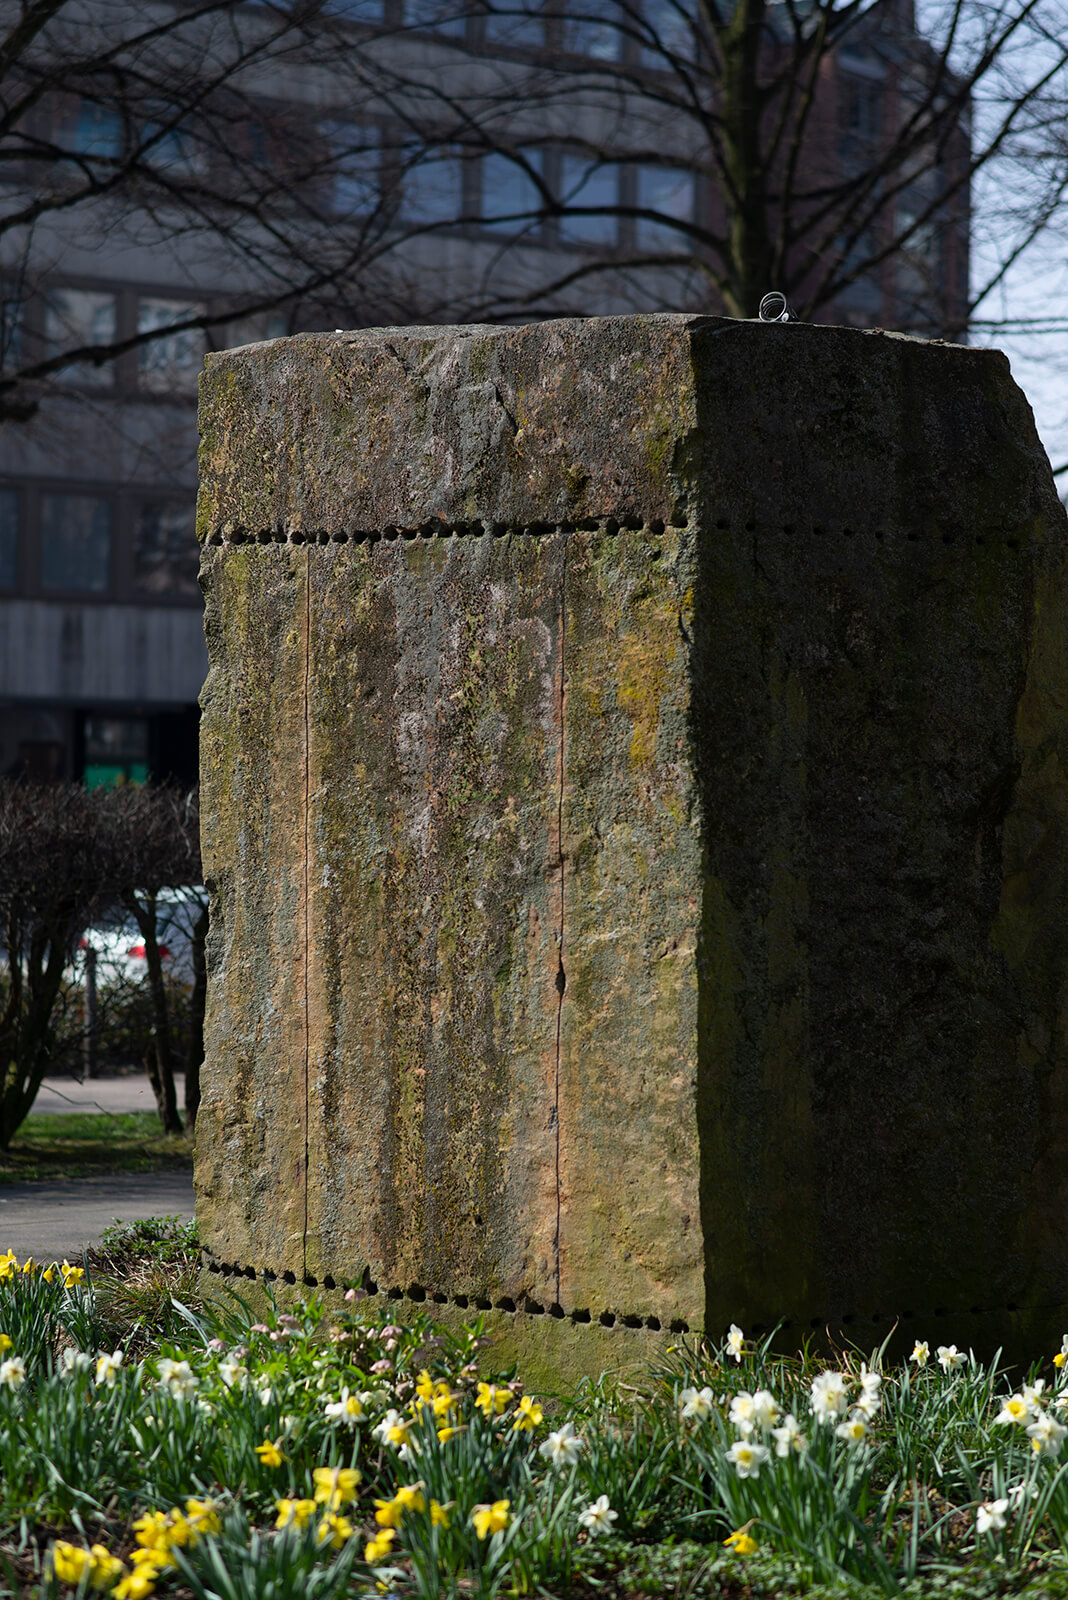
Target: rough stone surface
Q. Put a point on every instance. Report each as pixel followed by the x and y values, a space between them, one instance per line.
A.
pixel 634 799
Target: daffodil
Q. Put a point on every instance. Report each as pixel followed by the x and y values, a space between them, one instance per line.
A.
pixel 153 1531
pixel 424 1387
pixel 921 1352
pixel 1046 1435
pixel 335 1485
pixel 13 1372
pixel 69 1561
pixel 563 1448
pixel 203 1517
pixel 788 1437
pixel 949 1357
pixel 380 1547
pixel 72 1276
pixel 270 1454
pixel 491 1399
pixel 177 1378
pixel 598 1517
pixel 698 1403
pixel 334 1530
pixel 392 1430
pixel 439 1515
pixel 348 1409
pixel 528 1416
pixel 830 1396
pixel 444 1400
pixel 5 1342
pixel 855 1430
pixel 294 1513
pixel 8 1265
pixel 1016 1410
pixel 735 1342
pixel 741 1542
pixel 107 1367
pixel 451 1430
pixel 990 1516
pixel 747 1458
pixel 137 1585
pixel 490 1519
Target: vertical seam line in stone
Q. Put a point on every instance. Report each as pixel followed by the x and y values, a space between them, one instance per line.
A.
pixel 307 886
pixel 561 976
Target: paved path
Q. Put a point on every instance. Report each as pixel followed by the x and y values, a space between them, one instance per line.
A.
pixel 64 1095
pixel 48 1220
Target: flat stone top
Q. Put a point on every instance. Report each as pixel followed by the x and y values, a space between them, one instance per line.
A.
pixel 669 418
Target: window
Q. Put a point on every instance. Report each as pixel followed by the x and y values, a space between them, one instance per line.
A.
pixel 75 543
pixel 9 538
pixel 511 199
pixel 586 183
pixel 255 329
pixel 166 554
pixel 437 16
pixel 75 318
pixel 169 147
pixel 594 28
pixel 517 23
pixel 434 185
pixel 92 130
pixel 170 363
pixel 671 194
pixel 668 28
pixel 353 166
pixel 116 751
pixel 354 10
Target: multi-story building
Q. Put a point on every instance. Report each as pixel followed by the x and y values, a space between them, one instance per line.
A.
pixel 101 647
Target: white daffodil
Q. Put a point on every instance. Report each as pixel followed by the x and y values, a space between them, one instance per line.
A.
pixel 13 1372
pixel 74 1361
pixel 233 1374
pixel 349 1409
pixel 854 1430
pixel 563 1448
pixel 697 1403
pixel 392 1429
pixel 766 1409
pixel 1021 1492
pixel 789 1437
pixel 735 1342
pixel 990 1517
pixel 921 1351
pixel 107 1367
pixel 747 1458
pixel 598 1517
pixel 1032 1393
pixel 1017 1410
pixel 871 1396
pixel 830 1396
pixel 1045 1433
pixel 743 1412
pixel 949 1357
pixel 178 1378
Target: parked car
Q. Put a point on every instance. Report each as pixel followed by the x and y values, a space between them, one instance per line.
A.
pixel 120 947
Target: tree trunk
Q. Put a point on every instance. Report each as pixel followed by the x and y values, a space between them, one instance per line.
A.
pixel 196 1019
pixel 159 1060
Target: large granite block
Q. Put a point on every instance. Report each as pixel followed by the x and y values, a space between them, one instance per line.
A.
pixel 634 800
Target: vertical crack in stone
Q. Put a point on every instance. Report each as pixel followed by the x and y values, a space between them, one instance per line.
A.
pixel 307 883
pixel 561 976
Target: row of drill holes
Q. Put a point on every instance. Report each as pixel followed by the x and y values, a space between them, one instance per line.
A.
pixel 607 1319
pixel 877 533
pixel 463 1302
pixel 498 530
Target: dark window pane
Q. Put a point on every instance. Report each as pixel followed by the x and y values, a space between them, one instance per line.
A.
pixel 584 183
pixel 75 542
pixel 515 22
pixel 511 199
pixel 166 553
pixel 117 739
pixel 9 537
pixel 437 16
pixel 594 28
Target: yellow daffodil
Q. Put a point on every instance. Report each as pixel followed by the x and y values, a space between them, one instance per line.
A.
pixel 28 1268
pixel 1060 1358
pixel 490 1519
pixel 380 1547
pixel 136 1585
pixel 104 1568
pixel 48 1273
pixel 424 1387
pixel 269 1454
pixel 335 1485
pixel 8 1266
pixel 388 1513
pixel 439 1515
pixel 294 1513
pixel 334 1530
pixel 528 1416
pixel 741 1542
pixel 450 1432
pixel 153 1531
pixel 491 1400
pixel 68 1562
pixel 203 1517
pixel 71 1275
pixel 5 1343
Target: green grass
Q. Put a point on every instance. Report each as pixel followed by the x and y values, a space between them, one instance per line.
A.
pixel 87 1144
